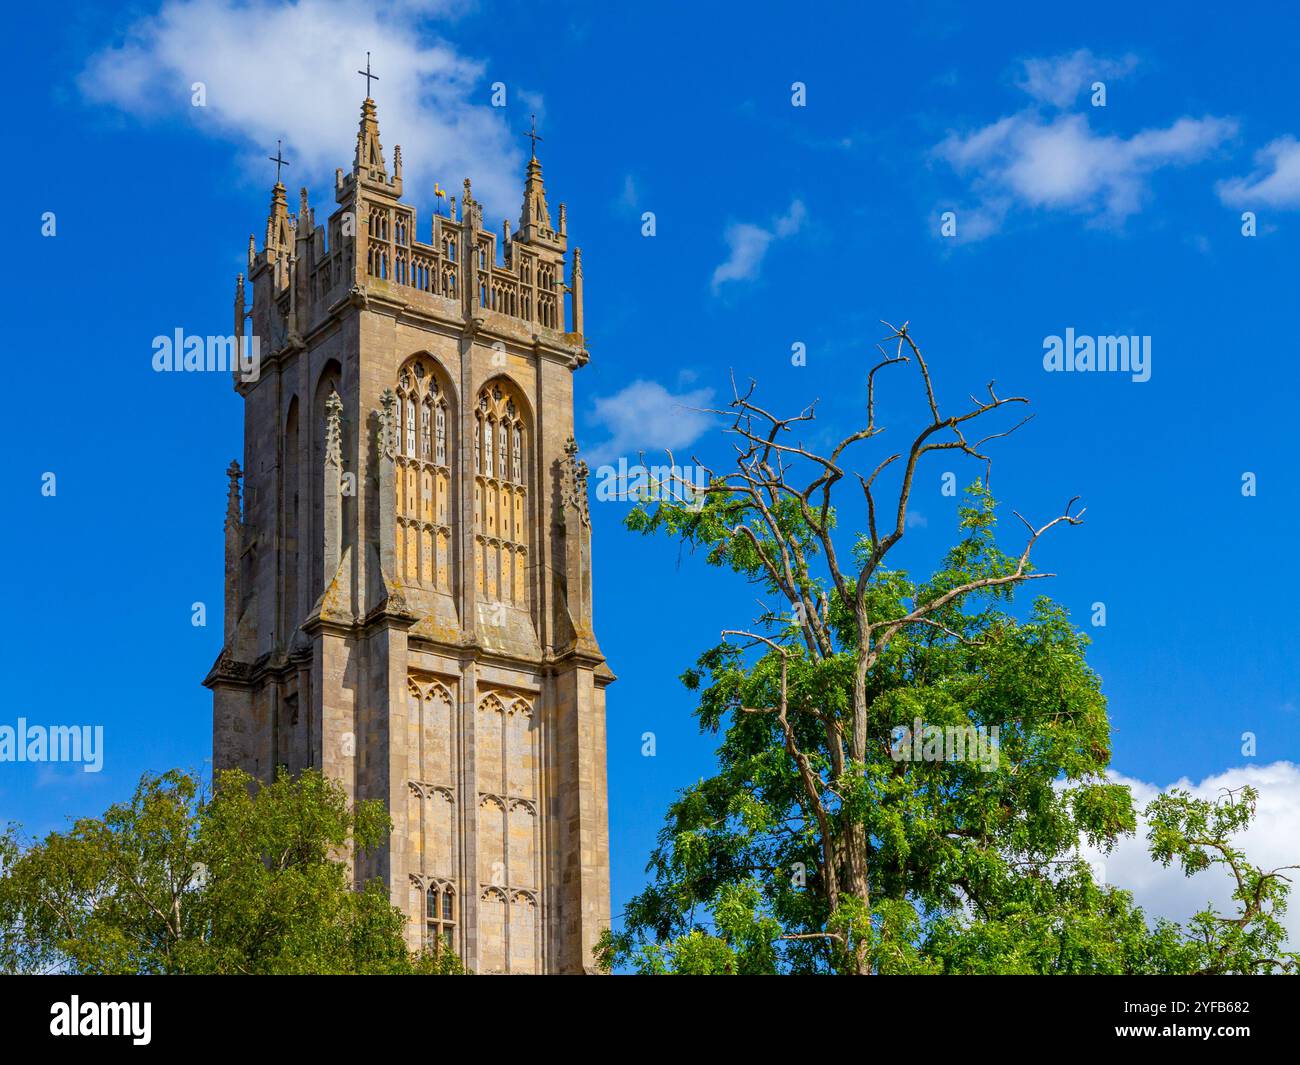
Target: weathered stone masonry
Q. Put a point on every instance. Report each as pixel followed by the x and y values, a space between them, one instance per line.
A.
pixel 408 573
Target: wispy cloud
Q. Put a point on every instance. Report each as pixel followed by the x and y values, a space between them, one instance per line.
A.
pixel 747 245
pixel 287 68
pixel 1057 80
pixel 1039 160
pixel 1275 181
pixel 645 416
pixel 1062 164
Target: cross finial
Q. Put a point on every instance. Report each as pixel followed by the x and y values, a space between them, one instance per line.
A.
pixel 279 160
pixel 532 135
pixel 368 76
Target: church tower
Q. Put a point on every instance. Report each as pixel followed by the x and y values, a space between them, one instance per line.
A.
pixel 408 572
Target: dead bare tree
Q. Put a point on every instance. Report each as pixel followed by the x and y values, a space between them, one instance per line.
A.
pixel 767 458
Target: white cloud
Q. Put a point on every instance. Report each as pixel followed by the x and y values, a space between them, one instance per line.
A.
pixel 287 68
pixel 645 416
pixel 748 243
pixel 1271 841
pixel 1040 160
pixel 1061 164
pixel 1058 79
pixel 1275 181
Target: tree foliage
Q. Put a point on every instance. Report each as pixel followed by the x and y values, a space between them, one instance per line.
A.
pixel 820 844
pixel 246 880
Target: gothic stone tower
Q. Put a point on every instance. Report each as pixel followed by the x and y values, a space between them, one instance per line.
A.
pixel 408 580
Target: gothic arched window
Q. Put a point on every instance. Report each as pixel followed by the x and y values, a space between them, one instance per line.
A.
pixel 501 496
pixel 424 482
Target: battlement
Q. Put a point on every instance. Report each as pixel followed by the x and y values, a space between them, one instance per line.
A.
pixel 461 264
pixel 304 272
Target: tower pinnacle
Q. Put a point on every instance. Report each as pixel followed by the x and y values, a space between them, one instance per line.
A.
pixel 279 233
pixel 370 153
pixel 535 217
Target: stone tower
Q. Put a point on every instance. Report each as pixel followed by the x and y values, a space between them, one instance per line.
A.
pixel 408 575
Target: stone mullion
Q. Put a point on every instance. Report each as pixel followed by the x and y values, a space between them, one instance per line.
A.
pixel 539 879
pixel 503 550
pixel 424 825
pixel 419 515
pixel 506 877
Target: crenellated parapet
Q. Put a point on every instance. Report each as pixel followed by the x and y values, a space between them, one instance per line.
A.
pixel 370 248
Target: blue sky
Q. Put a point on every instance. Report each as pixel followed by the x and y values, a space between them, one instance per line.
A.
pixel 774 225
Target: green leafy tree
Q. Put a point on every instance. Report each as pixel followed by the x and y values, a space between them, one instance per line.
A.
pixel 247 879
pixel 847 828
